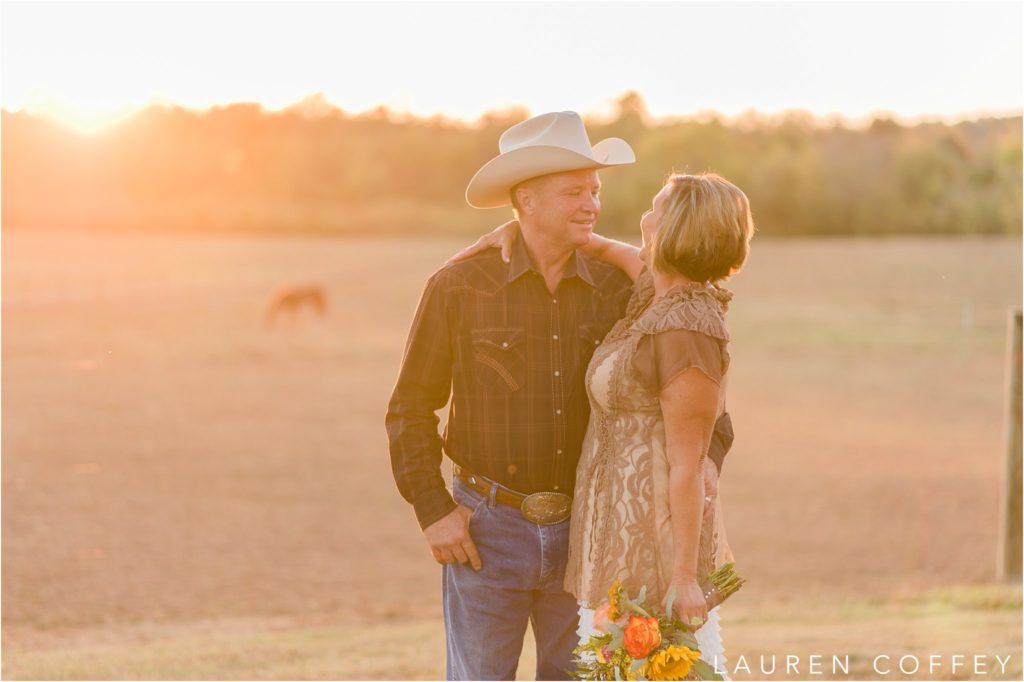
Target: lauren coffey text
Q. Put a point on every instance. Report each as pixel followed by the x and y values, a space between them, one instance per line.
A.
pixel 896 665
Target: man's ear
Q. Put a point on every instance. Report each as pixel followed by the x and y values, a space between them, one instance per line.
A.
pixel 527 200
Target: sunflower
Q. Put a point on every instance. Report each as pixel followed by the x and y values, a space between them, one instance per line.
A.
pixel 613 601
pixel 670 663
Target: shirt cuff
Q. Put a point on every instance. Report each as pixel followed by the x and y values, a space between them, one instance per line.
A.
pixel 432 506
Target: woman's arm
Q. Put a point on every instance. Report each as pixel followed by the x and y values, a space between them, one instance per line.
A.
pixel 500 237
pixel 689 403
pixel 625 257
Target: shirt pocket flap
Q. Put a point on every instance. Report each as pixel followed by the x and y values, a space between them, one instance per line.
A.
pixel 591 335
pixel 499 338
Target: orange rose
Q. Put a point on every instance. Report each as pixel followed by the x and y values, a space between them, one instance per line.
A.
pixel 642 636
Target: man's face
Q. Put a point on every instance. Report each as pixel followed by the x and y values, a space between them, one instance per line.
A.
pixel 566 206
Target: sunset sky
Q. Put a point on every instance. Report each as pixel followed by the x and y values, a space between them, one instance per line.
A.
pixel 88 62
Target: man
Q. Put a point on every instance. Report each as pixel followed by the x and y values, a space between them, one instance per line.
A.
pixel 510 342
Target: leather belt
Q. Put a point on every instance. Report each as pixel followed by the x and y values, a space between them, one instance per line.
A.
pixel 544 509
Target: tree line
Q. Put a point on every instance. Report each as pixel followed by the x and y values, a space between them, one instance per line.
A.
pixel 315 168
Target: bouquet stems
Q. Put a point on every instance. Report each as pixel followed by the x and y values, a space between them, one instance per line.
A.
pixel 721 583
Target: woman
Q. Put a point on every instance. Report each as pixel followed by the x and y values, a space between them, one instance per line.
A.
pixel 638 509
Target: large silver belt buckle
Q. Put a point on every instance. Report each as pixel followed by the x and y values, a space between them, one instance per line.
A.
pixel 546 509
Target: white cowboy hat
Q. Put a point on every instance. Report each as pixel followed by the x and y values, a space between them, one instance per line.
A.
pixel 549 143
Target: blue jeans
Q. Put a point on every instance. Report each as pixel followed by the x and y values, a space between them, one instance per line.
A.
pixel 486 612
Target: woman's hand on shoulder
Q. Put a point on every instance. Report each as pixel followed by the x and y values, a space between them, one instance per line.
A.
pixel 501 237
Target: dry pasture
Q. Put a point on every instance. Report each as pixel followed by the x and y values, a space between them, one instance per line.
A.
pixel 171 467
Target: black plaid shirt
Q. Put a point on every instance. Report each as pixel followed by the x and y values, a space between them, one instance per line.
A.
pixel 513 356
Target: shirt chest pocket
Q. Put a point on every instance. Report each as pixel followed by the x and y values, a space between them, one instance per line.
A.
pixel 590 339
pixel 499 358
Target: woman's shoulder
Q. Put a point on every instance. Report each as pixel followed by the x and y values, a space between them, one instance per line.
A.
pixel 692 306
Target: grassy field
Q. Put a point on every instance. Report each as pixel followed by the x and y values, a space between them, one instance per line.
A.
pixel 188 494
pixel 870 636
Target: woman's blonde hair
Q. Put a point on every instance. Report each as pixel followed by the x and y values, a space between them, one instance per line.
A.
pixel 705 230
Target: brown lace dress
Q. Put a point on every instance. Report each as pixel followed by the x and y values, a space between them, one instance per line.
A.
pixel 621 527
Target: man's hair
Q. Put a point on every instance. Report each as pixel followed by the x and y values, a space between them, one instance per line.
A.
pixel 705 230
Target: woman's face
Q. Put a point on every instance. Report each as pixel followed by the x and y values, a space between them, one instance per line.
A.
pixel 649 221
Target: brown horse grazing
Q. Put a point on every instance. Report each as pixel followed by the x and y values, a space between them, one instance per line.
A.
pixel 292 298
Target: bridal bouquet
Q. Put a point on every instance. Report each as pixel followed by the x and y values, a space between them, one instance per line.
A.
pixel 638 643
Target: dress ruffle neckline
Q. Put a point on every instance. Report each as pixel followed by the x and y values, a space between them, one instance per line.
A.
pixel 698 306
pixel 685 289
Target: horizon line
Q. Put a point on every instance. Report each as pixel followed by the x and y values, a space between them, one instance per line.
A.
pixel 317 106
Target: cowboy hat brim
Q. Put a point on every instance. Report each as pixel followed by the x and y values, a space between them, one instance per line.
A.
pixel 490 187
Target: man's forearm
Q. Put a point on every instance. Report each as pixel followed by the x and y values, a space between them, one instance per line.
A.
pixel 416 458
pixel 423 386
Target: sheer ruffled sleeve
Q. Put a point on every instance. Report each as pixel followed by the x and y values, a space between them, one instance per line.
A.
pixel 683 329
pixel 662 357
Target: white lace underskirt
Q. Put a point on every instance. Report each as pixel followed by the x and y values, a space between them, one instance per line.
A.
pixel 709 638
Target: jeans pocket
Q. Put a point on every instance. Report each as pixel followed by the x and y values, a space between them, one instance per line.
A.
pixel 468 497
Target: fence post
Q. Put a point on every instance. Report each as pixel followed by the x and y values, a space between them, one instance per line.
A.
pixel 1010 536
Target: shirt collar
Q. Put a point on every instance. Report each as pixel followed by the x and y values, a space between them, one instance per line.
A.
pixel 520 263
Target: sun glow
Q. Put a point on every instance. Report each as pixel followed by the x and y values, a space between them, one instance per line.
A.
pixel 101 61
pixel 89 118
